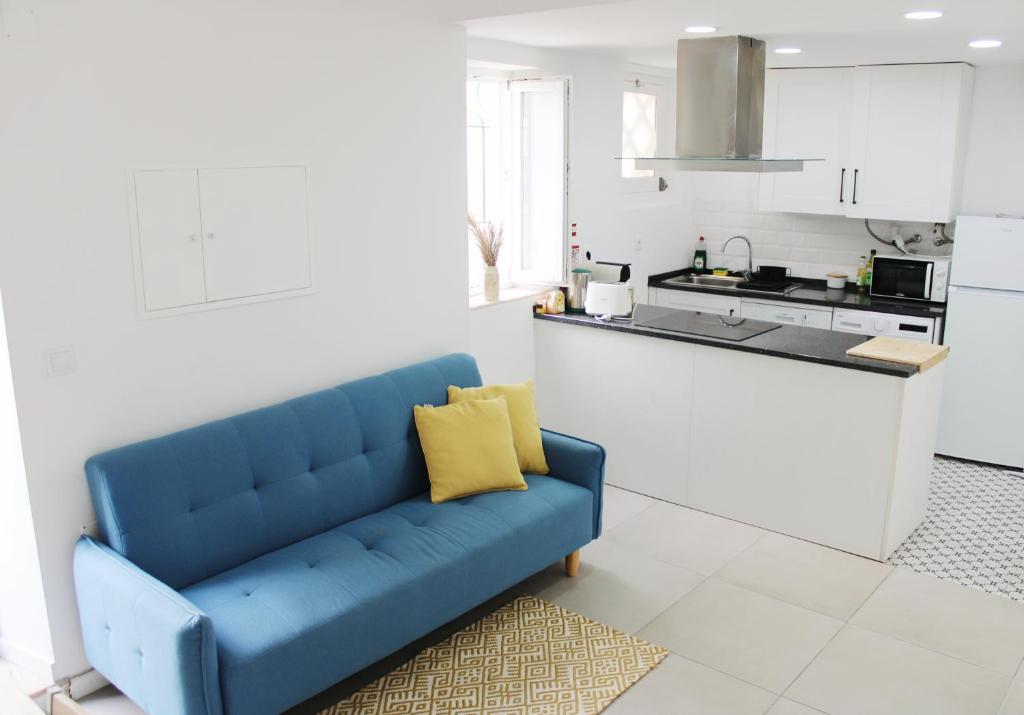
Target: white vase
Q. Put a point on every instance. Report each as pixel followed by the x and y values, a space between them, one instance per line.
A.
pixel 492 285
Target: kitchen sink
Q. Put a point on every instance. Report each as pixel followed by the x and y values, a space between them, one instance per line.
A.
pixel 711 281
pixel 778 288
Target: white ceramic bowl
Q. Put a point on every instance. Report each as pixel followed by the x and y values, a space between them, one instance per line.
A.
pixel 836 280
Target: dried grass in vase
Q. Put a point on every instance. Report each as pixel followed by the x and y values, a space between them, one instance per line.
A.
pixel 488 240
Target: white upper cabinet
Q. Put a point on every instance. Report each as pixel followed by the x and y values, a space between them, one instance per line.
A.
pixel 909 136
pixel 170 248
pixel 207 236
pixel 893 138
pixel 254 221
pixel 807 116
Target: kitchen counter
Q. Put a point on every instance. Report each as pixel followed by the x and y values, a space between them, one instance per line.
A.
pixel 812 292
pixel 788 341
pixel 781 430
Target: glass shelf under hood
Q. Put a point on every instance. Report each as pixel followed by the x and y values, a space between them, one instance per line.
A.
pixel 695 163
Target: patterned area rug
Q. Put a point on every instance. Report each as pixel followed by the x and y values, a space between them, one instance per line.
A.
pixel 529 656
pixel 973 532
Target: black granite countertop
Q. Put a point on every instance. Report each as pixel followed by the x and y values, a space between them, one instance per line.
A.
pixel 824 347
pixel 814 292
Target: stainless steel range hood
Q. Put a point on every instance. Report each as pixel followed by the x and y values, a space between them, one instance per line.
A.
pixel 720 109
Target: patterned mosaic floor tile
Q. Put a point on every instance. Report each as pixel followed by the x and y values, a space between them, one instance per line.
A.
pixel 973 532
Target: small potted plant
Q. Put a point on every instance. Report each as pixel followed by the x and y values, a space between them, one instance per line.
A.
pixel 488 239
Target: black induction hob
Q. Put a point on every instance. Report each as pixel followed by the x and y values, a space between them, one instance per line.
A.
pixel 722 327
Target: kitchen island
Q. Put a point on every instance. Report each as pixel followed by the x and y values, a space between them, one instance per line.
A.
pixel 779 429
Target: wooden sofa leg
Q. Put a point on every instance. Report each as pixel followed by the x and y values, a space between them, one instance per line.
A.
pixel 572 563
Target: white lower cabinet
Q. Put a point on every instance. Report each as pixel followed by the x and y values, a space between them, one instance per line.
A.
pixel 649 417
pixel 745 436
pixel 699 302
pixel 788 313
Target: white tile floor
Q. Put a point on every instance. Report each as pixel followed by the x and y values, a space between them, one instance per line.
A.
pixel 761 623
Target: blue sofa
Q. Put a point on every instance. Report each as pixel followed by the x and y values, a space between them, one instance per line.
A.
pixel 250 563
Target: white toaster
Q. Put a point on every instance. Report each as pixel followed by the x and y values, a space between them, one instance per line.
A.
pixel 614 299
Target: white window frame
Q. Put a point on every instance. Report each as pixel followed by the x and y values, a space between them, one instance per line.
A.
pixel 664 132
pixel 510 259
pixel 502 78
pixel 521 276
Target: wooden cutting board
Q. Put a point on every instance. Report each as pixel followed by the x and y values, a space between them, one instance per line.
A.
pixel 901 350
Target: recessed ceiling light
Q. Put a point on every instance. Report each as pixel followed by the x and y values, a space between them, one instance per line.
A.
pixel 923 15
pixel 787 50
pixel 986 44
pixel 701 29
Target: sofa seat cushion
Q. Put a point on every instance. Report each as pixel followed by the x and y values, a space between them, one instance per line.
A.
pixel 297 620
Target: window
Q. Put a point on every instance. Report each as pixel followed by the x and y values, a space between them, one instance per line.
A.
pixel 517 174
pixel 647 117
pixel 639 131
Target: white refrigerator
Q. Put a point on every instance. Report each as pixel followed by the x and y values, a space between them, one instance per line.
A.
pixel 982 415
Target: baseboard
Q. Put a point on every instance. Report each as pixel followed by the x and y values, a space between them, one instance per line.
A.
pixel 25 659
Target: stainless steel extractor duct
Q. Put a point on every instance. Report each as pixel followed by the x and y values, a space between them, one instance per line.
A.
pixel 720 109
pixel 720 97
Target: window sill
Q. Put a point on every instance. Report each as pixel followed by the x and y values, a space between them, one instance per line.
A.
pixel 508 295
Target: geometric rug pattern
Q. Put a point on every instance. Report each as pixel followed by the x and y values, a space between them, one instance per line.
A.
pixel 528 657
pixel 973 532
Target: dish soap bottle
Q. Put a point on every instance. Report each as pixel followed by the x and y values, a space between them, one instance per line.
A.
pixel 700 256
pixel 870 268
pixel 862 274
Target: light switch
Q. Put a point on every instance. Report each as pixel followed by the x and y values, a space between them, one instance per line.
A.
pixel 60 361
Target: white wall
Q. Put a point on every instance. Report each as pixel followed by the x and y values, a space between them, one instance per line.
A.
pixel 370 94
pixel 24 633
pixel 501 339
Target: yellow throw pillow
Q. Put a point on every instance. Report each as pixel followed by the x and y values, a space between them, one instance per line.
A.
pixel 521 410
pixel 468 448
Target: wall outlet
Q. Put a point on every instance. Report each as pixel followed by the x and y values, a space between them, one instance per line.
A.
pixel 638 245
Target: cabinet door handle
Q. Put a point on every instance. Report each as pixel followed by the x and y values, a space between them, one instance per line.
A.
pixel 211 236
pixel 855 172
pixel 842 181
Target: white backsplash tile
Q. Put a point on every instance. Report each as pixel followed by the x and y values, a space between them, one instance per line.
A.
pixel 811 246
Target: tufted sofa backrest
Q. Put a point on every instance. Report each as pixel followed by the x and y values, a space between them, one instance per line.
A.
pixel 194 503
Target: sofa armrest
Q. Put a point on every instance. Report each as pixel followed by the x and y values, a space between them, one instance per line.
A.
pixel 577 461
pixel 143 636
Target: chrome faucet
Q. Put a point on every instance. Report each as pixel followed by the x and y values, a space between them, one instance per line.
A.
pixel 750 255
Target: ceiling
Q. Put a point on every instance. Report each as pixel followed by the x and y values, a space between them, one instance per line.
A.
pixel 830 32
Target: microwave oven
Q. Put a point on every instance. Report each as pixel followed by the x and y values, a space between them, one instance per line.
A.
pixel 910 277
